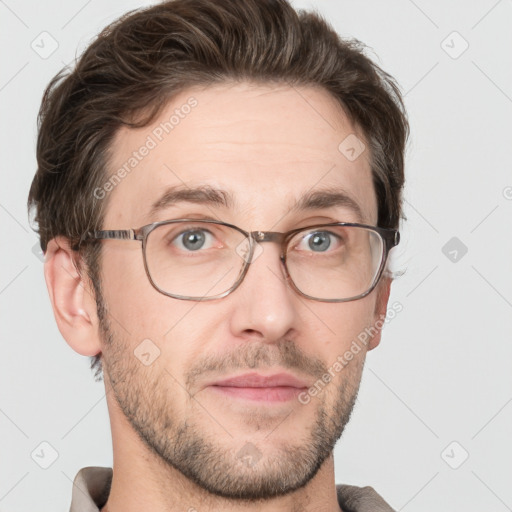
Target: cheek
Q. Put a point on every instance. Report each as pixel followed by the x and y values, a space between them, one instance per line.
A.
pixel 136 308
pixel 343 325
pixel 126 289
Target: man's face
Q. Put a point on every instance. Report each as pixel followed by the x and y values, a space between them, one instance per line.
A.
pixel 266 147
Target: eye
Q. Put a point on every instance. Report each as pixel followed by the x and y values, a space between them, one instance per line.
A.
pixel 193 240
pixel 319 241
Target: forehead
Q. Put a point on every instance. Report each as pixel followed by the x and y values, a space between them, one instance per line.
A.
pixel 266 145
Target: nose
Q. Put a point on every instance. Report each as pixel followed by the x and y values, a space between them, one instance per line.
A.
pixel 264 306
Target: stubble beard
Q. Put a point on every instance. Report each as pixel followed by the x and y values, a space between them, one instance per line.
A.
pixel 184 444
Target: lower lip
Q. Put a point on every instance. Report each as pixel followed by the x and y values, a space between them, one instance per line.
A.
pixel 270 394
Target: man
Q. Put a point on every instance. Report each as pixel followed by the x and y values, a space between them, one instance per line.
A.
pixel 190 136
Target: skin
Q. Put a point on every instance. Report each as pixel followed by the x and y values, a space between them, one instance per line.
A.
pixel 268 145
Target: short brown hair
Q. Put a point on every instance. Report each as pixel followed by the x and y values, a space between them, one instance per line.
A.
pixel 139 62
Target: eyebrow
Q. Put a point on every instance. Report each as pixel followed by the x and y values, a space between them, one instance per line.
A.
pixel 328 198
pixel 210 196
pixel 204 194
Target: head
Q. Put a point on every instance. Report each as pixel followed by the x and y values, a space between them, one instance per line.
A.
pixel 244 108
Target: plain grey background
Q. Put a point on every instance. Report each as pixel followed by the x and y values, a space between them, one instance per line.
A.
pixel 432 426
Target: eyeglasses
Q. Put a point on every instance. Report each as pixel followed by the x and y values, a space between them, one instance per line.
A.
pixel 192 259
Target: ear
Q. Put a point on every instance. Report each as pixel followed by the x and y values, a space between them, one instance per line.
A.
pixel 381 305
pixel 72 298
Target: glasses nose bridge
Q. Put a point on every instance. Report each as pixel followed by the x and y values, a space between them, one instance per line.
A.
pixel 258 237
pixel 269 236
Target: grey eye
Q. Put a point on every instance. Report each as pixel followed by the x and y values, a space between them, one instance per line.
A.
pixel 320 241
pixel 192 240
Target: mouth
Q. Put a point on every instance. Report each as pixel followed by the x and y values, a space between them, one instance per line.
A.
pixel 279 387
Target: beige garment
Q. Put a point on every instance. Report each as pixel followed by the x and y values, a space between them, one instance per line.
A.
pixel 91 488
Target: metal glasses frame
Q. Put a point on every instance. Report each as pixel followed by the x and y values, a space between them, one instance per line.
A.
pixel 390 237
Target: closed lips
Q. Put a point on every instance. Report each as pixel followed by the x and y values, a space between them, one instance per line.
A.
pixel 255 380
